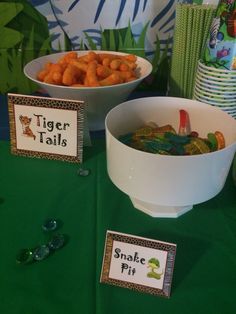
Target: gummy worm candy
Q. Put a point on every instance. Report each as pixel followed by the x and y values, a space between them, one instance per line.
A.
pixel 220 140
pixel 184 124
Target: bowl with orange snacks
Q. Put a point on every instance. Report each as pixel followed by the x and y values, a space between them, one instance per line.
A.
pixel 168 154
pixel 102 79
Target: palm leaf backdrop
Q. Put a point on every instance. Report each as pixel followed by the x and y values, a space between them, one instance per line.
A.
pixel 24 36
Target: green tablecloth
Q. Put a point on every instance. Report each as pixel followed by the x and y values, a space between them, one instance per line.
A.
pixel 32 190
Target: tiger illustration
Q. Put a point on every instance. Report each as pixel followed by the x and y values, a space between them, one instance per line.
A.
pixel 25 122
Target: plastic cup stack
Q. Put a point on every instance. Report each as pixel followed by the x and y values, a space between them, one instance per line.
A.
pixel 216 87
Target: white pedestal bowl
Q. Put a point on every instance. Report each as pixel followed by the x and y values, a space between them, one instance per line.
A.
pixel 164 185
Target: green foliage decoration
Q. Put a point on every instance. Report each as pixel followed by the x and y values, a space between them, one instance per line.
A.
pixel 24 36
pixel 9 37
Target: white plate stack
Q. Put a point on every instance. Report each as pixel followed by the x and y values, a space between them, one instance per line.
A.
pixel 216 87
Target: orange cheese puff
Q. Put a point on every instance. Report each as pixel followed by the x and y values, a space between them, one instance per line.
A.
pixel 112 79
pixel 131 58
pixel 77 72
pixel 62 61
pixel 88 57
pixel 83 59
pixel 86 83
pixel 92 74
pixel 56 68
pixel 124 67
pixel 125 74
pixel 78 85
pixel 41 75
pixel 131 65
pixel 79 65
pixel 63 66
pixel 67 57
pixel 103 56
pixel 114 65
pixel 82 77
pixel 48 65
pixel 70 55
pixel 92 56
pixel 48 79
pixel 130 79
pixel 106 61
pixel 57 77
pixel 103 71
pixel 70 75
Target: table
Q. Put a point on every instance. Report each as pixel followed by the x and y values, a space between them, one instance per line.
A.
pixel 32 190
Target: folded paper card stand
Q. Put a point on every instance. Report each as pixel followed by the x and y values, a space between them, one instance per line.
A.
pixel 137 263
pixel 46 127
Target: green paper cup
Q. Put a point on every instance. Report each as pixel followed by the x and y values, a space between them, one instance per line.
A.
pixel 214 88
pixel 216 95
pixel 216 70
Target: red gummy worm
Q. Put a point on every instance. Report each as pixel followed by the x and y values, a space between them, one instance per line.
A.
pixel 184 122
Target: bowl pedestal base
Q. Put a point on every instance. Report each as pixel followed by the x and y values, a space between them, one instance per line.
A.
pixel 161 211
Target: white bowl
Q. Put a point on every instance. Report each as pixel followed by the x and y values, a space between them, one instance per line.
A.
pixel 99 100
pixel 164 185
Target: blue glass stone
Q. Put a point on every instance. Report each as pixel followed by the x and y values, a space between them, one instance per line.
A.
pixel 41 252
pixel 57 242
pixel 24 256
pixel 83 172
pixel 50 225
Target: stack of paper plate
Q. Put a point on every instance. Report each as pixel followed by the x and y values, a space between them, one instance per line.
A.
pixel 216 87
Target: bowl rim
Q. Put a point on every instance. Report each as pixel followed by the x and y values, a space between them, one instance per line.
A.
pixel 83 52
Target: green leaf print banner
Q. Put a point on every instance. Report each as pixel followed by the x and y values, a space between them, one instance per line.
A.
pixel 142 27
pixel 36 27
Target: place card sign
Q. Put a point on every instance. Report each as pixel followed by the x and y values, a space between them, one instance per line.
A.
pixel 138 263
pixel 46 127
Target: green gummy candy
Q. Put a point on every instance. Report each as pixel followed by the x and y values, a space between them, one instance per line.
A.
pixel 178 150
pixel 156 145
pixel 126 139
pixel 178 139
pixel 146 131
pixel 213 141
